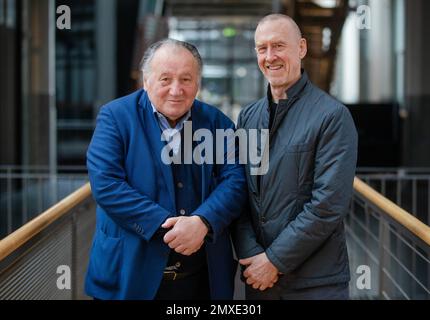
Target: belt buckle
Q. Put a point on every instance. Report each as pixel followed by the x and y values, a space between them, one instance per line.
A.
pixel 171 272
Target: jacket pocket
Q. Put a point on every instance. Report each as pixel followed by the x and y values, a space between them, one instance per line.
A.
pixel 106 260
pixel 304 157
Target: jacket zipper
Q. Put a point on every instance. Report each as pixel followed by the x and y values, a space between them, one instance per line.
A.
pixel 289 105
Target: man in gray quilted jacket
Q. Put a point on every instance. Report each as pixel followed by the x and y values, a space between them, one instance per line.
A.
pixel 291 239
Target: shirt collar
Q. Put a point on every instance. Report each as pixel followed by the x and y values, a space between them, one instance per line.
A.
pixel 164 123
pixel 295 89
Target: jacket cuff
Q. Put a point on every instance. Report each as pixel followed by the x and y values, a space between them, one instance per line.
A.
pixel 251 252
pixel 276 262
pixel 210 235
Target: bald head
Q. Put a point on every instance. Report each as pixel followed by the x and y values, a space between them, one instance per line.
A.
pixel 280 49
pixel 278 16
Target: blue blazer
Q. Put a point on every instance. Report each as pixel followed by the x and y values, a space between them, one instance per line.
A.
pixel 134 192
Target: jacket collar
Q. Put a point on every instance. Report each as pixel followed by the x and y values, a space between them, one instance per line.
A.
pixel 294 90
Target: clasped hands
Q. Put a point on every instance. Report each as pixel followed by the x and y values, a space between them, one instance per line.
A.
pixel 260 273
pixel 186 235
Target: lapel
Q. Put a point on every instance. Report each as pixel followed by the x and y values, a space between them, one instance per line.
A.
pixel 262 123
pixel 201 122
pixel 152 132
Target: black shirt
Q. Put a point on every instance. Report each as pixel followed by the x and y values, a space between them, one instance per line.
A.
pixel 273 106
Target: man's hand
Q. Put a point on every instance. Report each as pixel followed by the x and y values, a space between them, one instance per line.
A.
pixel 260 272
pixel 187 234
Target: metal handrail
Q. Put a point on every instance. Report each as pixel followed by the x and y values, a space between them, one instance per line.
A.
pixel 392 170
pixel 19 237
pixel 400 215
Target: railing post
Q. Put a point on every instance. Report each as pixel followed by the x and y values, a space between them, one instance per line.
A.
pixel 382 240
pixel 9 200
pixel 39 194
pixel 352 250
pixel 24 211
pixel 74 272
pixel 428 202
pixel 414 197
pixel 428 223
pixel 53 188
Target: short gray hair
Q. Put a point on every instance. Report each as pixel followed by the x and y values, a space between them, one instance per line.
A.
pixel 145 64
pixel 280 16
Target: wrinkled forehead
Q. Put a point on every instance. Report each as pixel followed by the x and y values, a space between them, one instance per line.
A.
pixel 173 57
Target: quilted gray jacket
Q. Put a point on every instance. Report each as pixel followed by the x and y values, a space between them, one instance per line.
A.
pixel 296 209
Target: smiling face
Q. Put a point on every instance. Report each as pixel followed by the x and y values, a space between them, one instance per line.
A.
pixel 280 50
pixel 172 82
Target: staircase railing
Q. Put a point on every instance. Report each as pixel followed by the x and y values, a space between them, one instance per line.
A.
pixel 47 257
pixel 389 248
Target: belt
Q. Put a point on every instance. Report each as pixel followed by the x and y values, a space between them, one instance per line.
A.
pixel 173 275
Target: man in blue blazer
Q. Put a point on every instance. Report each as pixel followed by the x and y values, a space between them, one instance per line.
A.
pixel 162 228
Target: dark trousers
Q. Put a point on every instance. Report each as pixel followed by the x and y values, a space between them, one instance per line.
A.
pixel 193 287
pixel 278 292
